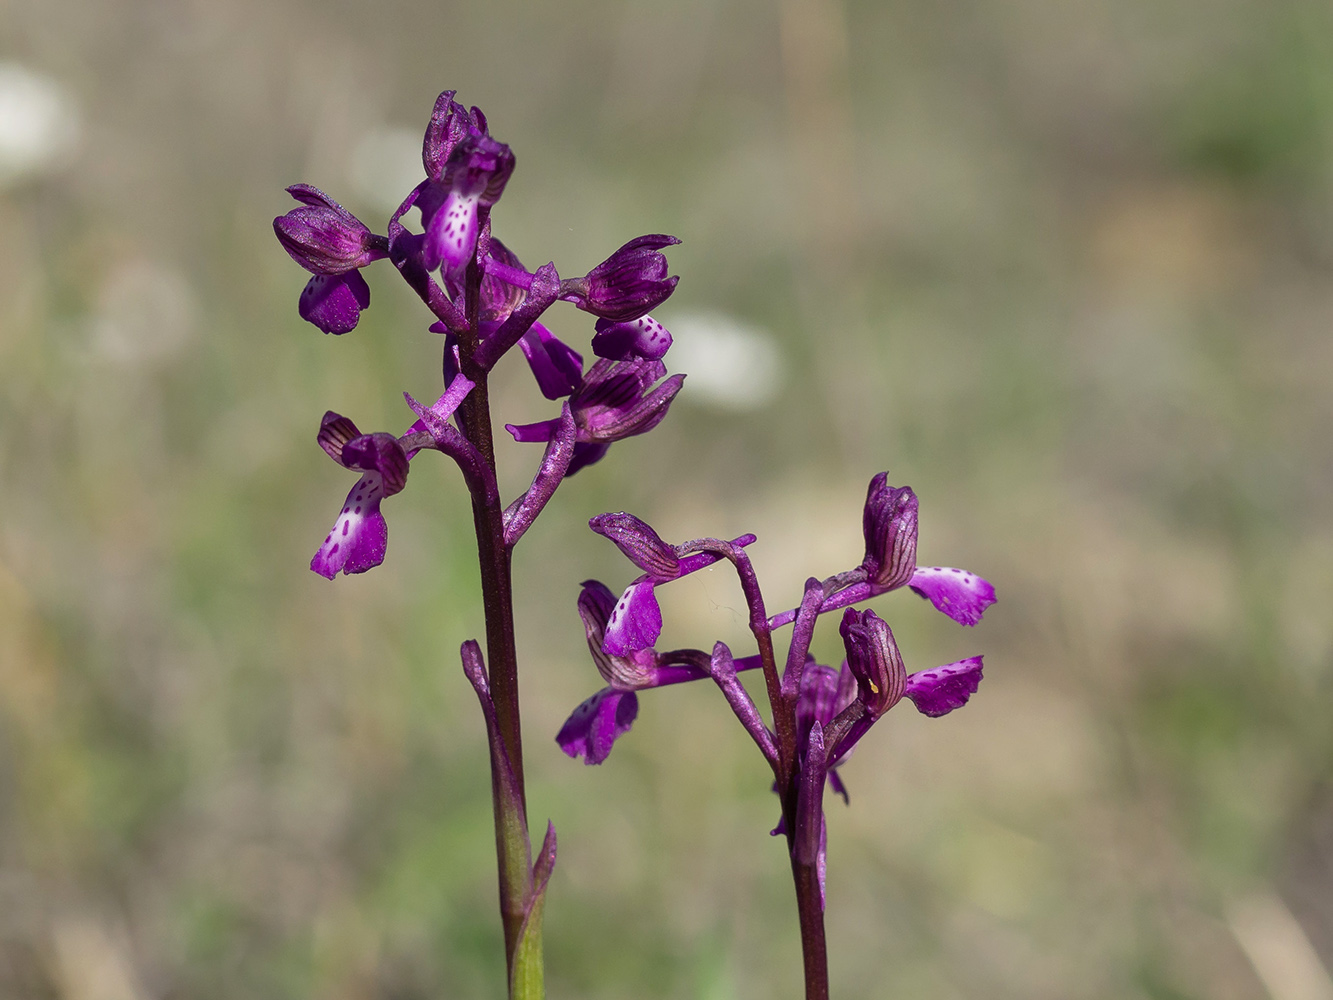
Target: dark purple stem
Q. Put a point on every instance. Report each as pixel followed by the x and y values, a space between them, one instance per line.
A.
pixel 809 897
pixel 493 556
pixel 810 908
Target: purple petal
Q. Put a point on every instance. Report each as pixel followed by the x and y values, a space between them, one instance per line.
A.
pixel 636 621
pixel 940 690
pixel 335 431
pixel 557 367
pixel 543 431
pixel 961 595
pixel 359 536
pixel 378 453
pixel 594 726
pixel 835 782
pixel 333 302
pixel 640 338
pixel 586 454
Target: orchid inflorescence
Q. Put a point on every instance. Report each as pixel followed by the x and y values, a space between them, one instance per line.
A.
pixel 819 713
pixel 485 303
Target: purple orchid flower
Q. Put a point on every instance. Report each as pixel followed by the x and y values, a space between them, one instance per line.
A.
pixel 472 179
pixel 890 526
pixel 614 400
pixel 598 722
pixel 626 285
pixel 333 244
pixel 360 535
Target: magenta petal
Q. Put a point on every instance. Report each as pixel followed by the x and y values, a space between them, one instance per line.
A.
pixel 961 595
pixel 333 302
pixel 636 621
pixel 940 690
pixel 542 431
pixel 593 728
pixel 359 536
pixel 557 367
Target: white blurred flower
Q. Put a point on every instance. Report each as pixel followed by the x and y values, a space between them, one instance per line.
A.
pixel 39 123
pixel 731 364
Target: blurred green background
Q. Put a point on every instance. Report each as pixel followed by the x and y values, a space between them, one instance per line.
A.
pixel 1063 267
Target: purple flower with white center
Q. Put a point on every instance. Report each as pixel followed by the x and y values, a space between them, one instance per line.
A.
pixel 882 681
pixel 615 400
pixel 331 243
pixel 597 723
pixel 626 285
pixel 360 536
pixel 473 179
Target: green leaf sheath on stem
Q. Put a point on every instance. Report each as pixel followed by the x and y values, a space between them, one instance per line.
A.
pixel 527 981
pixel 512 846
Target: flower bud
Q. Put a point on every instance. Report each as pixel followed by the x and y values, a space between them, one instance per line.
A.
pixel 874 660
pixel 889 522
pixel 640 544
pixel 628 284
pixel 325 238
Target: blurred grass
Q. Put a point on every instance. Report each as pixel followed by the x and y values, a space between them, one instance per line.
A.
pixel 1064 268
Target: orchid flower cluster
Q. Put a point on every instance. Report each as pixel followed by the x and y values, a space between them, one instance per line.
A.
pixel 819 713
pixel 484 303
